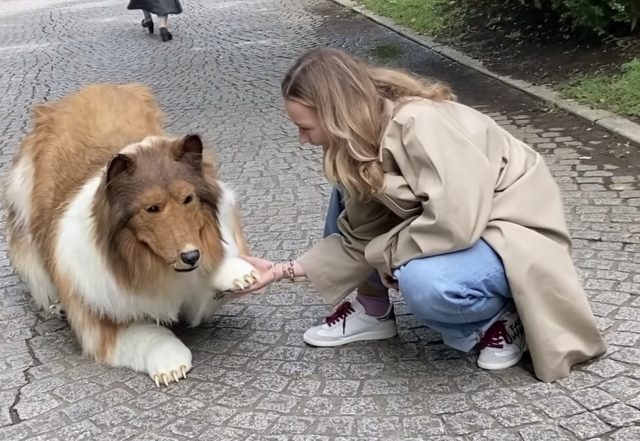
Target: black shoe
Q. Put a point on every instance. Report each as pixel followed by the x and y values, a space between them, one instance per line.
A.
pixel 165 35
pixel 148 24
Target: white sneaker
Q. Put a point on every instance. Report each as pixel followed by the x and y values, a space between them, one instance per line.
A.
pixel 350 323
pixel 503 344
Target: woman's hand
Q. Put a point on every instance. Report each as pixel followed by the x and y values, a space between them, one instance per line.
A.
pixel 269 272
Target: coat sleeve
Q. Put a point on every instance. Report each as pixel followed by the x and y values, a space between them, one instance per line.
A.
pixel 447 167
pixel 336 264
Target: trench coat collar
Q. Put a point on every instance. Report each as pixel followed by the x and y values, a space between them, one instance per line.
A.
pixel 388 109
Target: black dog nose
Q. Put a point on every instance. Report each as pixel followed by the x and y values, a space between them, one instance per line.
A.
pixel 190 257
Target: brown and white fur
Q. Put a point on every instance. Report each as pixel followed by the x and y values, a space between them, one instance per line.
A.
pixel 123 225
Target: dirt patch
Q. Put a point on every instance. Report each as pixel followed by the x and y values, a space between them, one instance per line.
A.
pixel 534 46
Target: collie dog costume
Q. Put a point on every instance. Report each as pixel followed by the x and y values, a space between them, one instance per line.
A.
pixel 122 225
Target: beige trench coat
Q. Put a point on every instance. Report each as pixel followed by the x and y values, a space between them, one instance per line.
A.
pixel 452 176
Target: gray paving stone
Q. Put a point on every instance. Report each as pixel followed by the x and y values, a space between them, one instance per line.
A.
pixel 214 415
pixel 114 416
pixel 606 368
pixel 580 380
pixel 277 403
pixel 17 432
pixel 291 425
pixel 323 406
pixel 83 409
pixel 405 405
pixel 52 421
pixel 187 427
pixel 544 432
pixel 226 433
pixel 512 416
pixel 253 420
pixel 630 339
pixel 153 436
pixel 341 388
pixel 83 430
pixel 495 435
pixel 150 420
pixel 76 391
pixel 585 425
pixel 628 434
pixel 593 398
pixel 385 427
pixel 622 387
pixel 360 406
pixel 468 422
pixel 44 403
pixel 422 426
pixel 619 415
pixel 335 426
pixel 627 355
pixel 490 399
pixel 439 404
pixel 386 387
pixel 120 433
pixel 559 406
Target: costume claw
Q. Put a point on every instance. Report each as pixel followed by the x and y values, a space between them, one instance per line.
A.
pixel 175 376
pixel 165 379
pixel 238 284
pixel 157 380
pixel 184 371
pixel 57 310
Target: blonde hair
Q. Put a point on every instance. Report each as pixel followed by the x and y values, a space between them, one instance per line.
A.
pixel 348 96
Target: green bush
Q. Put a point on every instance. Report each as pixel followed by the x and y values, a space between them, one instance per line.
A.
pixel 596 15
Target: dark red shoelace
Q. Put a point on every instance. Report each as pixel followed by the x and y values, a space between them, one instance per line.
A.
pixel 340 314
pixel 496 336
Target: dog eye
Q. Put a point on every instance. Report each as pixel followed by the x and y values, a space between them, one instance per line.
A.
pixel 188 199
pixel 153 209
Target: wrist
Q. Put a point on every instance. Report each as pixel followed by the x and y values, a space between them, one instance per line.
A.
pixel 290 270
pixel 298 269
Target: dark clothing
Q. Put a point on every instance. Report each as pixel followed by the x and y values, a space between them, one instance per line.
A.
pixel 158 7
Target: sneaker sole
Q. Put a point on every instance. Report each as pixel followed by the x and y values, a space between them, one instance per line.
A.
pixel 366 336
pixel 503 365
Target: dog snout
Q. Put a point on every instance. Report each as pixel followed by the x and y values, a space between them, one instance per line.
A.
pixel 190 257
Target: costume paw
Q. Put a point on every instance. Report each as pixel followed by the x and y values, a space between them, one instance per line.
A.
pixel 57 310
pixel 235 274
pixel 168 361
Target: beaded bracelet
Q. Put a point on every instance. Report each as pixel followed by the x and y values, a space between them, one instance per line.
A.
pixel 288 272
pixel 291 274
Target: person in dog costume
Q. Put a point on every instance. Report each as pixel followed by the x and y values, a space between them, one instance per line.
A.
pixel 435 199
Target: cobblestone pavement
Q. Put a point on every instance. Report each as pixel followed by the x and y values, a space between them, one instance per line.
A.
pixel 253 377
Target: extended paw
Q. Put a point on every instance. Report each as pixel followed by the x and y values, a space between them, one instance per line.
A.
pixel 246 281
pixel 166 377
pixel 235 274
pixel 168 361
pixel 57 310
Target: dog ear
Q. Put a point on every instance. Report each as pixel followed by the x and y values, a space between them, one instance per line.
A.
pixel 117 165
pixel 190 148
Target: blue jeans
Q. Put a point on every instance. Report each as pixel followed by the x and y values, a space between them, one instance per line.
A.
pixel 459 294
